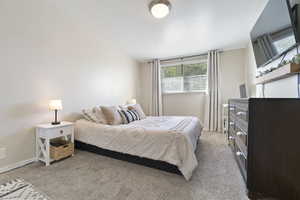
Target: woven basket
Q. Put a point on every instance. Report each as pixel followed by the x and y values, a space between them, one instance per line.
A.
pixel 62 151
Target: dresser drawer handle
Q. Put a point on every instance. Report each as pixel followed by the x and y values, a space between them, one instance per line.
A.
pixel 239 153
pixel 61 131
pixel 241 113
pixel 231 138
pixel 240 133
pixel 231 123
pixel 232 108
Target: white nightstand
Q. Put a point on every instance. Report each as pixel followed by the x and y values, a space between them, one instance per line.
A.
pixel 45 133
pixel 225 118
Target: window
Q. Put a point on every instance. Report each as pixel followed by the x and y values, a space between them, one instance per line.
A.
pixel 283 39
pixel 184 77
pixel 282 44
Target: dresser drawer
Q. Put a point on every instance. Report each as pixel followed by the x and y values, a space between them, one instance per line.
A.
pixel 241 114
pixel 241 146
pixel 231 138
pixel 56 132
pixel 241 159
pixel 231 132
pixel 239 110
pixel 242 104
pixel 242 135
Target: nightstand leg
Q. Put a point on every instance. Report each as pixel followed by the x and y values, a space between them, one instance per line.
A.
pixel 47 152
pixel 72 139
pixel 37 148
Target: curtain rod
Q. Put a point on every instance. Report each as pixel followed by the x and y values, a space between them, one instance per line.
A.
pixel 182 57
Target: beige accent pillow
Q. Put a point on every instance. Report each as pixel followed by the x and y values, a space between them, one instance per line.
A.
pixel 112 115
pixel 100 115
pixel 94 115
pixel 139 110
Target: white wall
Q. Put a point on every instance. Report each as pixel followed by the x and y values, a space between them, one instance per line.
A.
pixel 232 73
pixel 49 52
pixel 250 70
pixel 284 88
pixel 232 70
pixel 145 87
pixel 185 104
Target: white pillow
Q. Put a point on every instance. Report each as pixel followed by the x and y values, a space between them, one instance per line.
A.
pixel 94 115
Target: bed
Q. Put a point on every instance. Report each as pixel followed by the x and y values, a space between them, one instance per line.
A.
pixel 167 143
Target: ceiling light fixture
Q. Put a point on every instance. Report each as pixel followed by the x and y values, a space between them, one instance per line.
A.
pixel 160 8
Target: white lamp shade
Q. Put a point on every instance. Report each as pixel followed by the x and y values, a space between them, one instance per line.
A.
pixel 55 105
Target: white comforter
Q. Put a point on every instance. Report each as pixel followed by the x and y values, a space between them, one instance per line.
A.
pixel 169 139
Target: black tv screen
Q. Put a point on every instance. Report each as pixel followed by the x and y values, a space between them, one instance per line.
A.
pixel 274 32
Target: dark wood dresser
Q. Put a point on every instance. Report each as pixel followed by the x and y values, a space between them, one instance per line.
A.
pixel 264 135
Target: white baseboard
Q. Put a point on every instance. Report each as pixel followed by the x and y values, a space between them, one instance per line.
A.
pixel 16 165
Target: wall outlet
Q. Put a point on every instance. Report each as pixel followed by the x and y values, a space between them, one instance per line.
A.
pixel 2 153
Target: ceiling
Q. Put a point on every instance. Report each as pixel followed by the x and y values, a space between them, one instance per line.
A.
pixel 193 26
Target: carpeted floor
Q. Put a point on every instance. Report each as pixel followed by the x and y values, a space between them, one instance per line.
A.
pixel 88 176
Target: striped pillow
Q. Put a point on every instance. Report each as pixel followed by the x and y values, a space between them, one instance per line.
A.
pixel 129 116
pixel 139 109
pixel 136 107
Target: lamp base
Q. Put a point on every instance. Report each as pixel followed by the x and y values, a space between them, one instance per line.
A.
pixel 55 123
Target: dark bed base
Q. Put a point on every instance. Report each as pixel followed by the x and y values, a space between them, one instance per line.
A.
pixel 129 158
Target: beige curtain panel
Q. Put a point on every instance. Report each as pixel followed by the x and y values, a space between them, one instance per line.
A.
pixel 213 101
pixel 156 104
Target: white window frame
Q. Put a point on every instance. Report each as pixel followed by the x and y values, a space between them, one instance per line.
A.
pixel 193 61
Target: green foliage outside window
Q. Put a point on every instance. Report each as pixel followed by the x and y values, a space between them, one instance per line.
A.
pixel 185 77
pixel 184 70
pixel 172 71
pixel 195 69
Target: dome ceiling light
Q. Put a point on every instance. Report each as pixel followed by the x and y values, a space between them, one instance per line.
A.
pixel 160 8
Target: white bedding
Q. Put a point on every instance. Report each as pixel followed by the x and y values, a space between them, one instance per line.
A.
pixel 169 139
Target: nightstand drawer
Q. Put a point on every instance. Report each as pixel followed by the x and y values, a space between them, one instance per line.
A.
pixel 56 132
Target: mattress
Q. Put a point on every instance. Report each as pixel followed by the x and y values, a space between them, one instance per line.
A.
pixel 170 139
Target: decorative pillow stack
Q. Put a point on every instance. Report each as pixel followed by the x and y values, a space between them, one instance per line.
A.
pixel 114 115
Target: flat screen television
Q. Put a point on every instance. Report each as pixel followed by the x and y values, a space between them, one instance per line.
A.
pixel 275 31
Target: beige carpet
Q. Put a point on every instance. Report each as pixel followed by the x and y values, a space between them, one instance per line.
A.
pixel 88 176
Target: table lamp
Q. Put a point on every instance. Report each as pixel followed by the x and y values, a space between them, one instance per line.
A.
pixel 55 105
pixel 131 101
